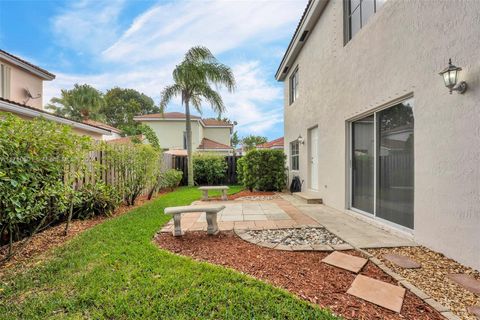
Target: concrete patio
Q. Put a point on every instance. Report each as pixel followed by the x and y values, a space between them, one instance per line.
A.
pixel 288 212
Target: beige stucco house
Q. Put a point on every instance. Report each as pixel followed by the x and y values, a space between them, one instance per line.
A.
pixel 208 135
pixel 274 144
pixel 21 92
pixel 370 125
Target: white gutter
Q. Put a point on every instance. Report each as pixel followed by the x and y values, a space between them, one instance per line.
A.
pixel 25 111
pixel 26 66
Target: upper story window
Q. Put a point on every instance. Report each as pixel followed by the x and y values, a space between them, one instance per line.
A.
pixel 294 86
pixel 357 12
pixel 294 155
pixel 4 81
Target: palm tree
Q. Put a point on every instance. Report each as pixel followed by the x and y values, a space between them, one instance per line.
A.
pixel 80 103
pixel 193 78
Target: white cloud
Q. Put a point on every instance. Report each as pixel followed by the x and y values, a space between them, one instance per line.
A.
pixel 89 25
pixel 144 55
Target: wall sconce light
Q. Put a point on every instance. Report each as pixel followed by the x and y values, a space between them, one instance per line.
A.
pixel 300 139
pixel 450 77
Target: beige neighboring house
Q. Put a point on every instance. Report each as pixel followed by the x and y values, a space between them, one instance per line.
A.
pixel 208 135
pixel 21 93
pixel 274 144
pixel 370 125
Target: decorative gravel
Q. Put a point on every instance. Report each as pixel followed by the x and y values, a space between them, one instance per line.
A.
pixel 432 277
pixel 259 198
pixel 296 236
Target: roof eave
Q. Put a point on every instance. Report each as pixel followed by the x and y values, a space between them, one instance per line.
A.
pixel 310 18
pixel 16 109
pixel 35 71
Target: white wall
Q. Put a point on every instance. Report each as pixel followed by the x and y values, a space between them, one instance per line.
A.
pixel 221 135
pixel 170 133
pixel 400 52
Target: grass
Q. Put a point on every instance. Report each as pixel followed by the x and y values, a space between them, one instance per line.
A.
pixel 115 271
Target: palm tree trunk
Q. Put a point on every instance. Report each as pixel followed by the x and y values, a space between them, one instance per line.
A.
pixel 188 127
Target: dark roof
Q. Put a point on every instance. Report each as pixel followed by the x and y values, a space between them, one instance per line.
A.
pixel 210 144
pixel 28 63
pixel 274 143
pixel 50 114
pixel 304 15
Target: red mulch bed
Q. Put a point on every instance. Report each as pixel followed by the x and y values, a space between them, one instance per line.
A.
pixel 301 273
pixel 54 237
pixel 245 193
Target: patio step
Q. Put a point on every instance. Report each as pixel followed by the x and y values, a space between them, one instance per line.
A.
pixel 308 197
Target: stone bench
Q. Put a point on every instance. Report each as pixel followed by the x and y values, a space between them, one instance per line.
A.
pixel 208 188
pixel 210 211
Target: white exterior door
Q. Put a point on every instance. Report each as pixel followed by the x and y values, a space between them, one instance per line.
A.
pixel 313 154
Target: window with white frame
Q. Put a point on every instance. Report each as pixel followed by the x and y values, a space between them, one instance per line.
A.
pixel 4 81
pixel 294 155
pixel 294 86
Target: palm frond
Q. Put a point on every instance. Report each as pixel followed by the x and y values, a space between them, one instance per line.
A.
pixel 168 93
pixel 219 74
pixel 211 96
pixel 199 53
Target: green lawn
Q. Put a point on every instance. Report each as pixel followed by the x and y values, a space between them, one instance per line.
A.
pixel 115 271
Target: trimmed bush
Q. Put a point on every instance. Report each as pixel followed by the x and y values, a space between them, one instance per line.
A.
pixel 170 179
pixel 96 199
pixel 209 168
pixel 263 170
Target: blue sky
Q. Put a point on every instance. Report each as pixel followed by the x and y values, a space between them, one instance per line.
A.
pixel 136 44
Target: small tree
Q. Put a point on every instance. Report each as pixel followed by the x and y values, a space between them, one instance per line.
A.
pixel 263 170
pixel 209 168
pixel 251 141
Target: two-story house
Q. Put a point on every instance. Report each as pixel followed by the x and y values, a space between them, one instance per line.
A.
pixel 21 93
pixel 208 135
pixel 370 125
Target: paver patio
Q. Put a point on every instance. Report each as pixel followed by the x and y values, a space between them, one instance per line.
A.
pixel 288 212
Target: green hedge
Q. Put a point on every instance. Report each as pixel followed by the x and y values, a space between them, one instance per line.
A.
pixel 263 170
pixel 209 169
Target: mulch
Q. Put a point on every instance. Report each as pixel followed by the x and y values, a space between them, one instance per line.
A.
pixel 301 273
pixel 54 237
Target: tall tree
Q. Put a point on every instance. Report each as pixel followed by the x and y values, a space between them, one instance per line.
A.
pixel 121 105
pixel 251 141
pixel 193 78
pixel 80 103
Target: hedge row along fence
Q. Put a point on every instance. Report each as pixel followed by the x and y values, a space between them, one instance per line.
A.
pixel 49 174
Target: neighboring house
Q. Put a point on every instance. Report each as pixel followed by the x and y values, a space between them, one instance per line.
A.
pixel 21 92
pixel 274 144
pixel 208 135
pixel 361 81
pixel 114 132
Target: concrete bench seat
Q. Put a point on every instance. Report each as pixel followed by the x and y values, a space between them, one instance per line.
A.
pixel 210 211
pixel 208 188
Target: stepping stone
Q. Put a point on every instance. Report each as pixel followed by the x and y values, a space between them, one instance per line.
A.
pixel 402 261
pixel 467 282
pixel 378 292
pixel 475 310
pixel 345 261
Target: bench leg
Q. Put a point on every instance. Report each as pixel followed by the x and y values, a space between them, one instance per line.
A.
pixel 205 195
pixel 224 195
pixel 177 230
pixel 212 227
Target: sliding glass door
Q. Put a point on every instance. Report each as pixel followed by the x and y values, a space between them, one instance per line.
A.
pixel 382 164
pixel 363 184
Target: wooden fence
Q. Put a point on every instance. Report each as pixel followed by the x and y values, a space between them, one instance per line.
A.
pixel 180 163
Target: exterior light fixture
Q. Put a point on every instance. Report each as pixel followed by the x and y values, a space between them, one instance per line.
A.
pixel 450 77
pixel 300 139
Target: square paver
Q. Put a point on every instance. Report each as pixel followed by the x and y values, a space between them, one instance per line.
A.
pixel 475 310
pixel 466 281
pixel 378 292
pixel 345 261
pixel 402 261
pixel 255 217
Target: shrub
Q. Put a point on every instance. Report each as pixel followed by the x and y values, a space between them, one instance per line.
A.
pixel 170 179
pixel 240 168
pixel 96 199
pixel 35 187
pixel 209 168
pixel 263 170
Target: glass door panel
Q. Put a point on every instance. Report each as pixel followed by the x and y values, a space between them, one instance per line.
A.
pixel 363 164
pixel 395 164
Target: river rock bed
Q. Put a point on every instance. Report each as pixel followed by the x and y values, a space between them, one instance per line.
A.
pixel 296 236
